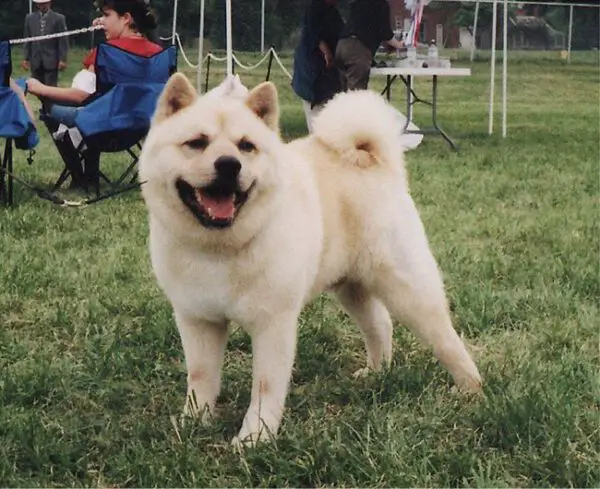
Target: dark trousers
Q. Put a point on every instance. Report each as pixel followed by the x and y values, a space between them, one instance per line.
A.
pixel 47 77
pixel 83 178
pixel 354 62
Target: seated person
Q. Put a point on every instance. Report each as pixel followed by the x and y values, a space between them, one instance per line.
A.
pixel 127 24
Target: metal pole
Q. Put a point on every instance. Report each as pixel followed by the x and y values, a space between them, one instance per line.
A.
pixel 200 49
pixel 492 70
pixel 229 35
pixel 570 33
pixel 30 6
pixel 262 28
pixel 207 73
pixel 504 67
pixel 174 30
pixel 474 44
pixel 270 64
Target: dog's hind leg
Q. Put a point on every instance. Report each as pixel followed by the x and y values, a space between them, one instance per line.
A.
pixel 204 346
pixel 422 307
pixel 273 352
pixel 373 320
pixel 411 287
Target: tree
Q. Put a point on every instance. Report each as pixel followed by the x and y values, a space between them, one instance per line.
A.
pixel 283 19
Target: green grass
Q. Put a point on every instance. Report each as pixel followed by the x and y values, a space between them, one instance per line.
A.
pixel 91 363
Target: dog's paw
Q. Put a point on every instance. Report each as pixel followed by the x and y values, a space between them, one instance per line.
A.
pixel 206 418
pixel 192 411
pixel 239 445
pixel 250 441
pixel 246 439
pixel 469 384
pixel 361 373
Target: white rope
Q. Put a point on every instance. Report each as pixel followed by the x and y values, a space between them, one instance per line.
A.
pixel 186 59
pixel 255 65
pixel 224 58
pixel 216 58
pixel 275 55
pixel 54 36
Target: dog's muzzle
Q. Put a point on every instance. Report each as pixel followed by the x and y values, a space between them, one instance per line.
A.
pixel 217 204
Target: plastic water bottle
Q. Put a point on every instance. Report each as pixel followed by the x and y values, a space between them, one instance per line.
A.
pixel 432 55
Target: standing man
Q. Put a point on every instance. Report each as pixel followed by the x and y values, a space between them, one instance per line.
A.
pixel 368 26
pixel 316 78
pixel 45 58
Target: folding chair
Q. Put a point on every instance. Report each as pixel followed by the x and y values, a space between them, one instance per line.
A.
pixel 117 116
pixel 15 125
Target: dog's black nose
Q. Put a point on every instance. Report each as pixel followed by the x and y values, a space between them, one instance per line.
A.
pixel 228 167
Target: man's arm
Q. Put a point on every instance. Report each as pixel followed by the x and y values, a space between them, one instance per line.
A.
pixel 63 42
pixel 27 45
pixel 315 26
pixel 387 34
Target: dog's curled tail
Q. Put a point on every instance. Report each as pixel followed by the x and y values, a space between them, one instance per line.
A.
pixel 362 128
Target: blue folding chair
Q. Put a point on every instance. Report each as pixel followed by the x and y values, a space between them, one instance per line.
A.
pixel 117 116
pixel 15 125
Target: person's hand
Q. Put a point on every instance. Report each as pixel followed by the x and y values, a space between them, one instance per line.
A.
pixel 395 43
pixel 98 22
pixel 327 54
pixel 25 65
pixel 388 48
pixel 62 65
pixel 34 86
pixel 329 61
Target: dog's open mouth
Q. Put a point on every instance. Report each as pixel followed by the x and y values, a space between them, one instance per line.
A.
pixel 215 205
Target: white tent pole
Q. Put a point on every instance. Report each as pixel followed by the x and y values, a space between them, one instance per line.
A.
pixel 492 70
pixel 262 27
pixel 570 33
pixel 174 31
pixel 504 66
pixel 229 33
pixel 200 49
pixel 474 43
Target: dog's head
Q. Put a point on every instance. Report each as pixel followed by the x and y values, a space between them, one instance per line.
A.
pixel 207 159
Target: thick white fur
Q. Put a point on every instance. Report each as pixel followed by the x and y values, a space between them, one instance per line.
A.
pixel 230 87
pixel 328 212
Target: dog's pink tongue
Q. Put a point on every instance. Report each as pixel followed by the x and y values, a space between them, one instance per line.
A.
pixel 218 207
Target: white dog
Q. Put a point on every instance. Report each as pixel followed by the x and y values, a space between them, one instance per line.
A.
pixel 247 229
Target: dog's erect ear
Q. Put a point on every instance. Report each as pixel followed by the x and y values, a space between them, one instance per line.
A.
pixel 262 100
pixel 177 94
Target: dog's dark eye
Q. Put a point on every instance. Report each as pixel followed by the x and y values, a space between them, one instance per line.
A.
pixel 246 146
pixel 200 143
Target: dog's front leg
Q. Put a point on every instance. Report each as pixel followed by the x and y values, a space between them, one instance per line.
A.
pixel 204 346
pixel 273 352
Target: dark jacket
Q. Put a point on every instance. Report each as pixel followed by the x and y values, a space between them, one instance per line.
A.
pixel 312 81
pixel 45 54
pixel 369 21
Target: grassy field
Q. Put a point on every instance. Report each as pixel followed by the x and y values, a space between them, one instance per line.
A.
pixel 91 363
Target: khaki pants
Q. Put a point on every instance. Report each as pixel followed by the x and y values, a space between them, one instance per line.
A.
pixel 354 62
